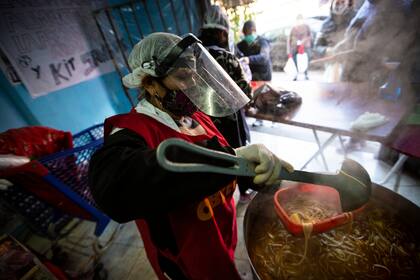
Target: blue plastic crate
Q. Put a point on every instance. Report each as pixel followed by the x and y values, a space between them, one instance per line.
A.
pixel 68 172
pixel 88 135
pixel 44 219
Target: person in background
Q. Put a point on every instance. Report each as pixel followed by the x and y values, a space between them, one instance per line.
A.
pixel 379 33
pixel 300 36
pixel 187 221
pixel 410 75
pixel 254 51
pixel 332 32
pixel 334 26
pixel 215 37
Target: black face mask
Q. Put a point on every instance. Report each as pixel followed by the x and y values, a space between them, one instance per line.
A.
pixel 176 102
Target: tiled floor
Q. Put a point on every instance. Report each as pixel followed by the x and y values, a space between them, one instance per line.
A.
pixel 126 259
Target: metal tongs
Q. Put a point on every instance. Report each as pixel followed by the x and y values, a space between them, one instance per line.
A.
pixel 352 181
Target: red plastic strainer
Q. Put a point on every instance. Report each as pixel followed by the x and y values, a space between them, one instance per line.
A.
pixel 327 196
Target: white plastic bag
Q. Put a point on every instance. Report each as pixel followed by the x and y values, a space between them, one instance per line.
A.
pixel 290 67
pixel 332 73
pixel 367 121
pixel 10 160
pixel 302 62
pixel 247 71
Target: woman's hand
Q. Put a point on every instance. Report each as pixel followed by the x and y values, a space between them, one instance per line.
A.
pixel 268 165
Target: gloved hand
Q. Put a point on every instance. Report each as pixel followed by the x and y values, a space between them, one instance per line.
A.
pixel 4 184
pixel 268 165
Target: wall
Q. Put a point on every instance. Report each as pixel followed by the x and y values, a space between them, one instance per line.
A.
pixel 10 116
pixel 87 103
pixel 71 109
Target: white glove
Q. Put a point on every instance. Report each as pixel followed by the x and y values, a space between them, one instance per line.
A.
pixel 268 165
pixel 4 184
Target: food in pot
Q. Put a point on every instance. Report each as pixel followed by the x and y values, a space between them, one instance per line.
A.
pixel 377 245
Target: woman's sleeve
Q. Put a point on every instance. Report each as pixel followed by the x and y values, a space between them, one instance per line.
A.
pixel 236 72
pixel 264 56
pixel 127 183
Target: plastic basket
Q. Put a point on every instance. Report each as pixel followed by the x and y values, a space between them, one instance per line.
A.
pixel 44 219
pixel 64 175
pixel 88 135
pixel 328 196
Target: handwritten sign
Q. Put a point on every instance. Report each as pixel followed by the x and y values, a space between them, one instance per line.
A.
pixel 52 44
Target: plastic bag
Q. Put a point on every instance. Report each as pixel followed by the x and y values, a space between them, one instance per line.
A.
pixel 246 70
pixel 332 73
pixel 302 62
pixel 10 160
pixel 290 67
pixel 367 121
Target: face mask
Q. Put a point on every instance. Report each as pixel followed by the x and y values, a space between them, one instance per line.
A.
pixel 176 102
pixel 250 38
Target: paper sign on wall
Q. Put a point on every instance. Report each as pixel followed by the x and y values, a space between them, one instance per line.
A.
pixel 52 44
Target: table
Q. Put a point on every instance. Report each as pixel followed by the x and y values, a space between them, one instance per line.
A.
pixel 331 107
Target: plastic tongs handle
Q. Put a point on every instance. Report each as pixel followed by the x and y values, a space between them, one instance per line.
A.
pixel 240 166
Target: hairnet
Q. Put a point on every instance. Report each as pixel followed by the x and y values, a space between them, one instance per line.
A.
pixel 146 55
pixel 190 69
pixel 215 17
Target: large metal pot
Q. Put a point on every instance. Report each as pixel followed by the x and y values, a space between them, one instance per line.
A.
pixel 262 208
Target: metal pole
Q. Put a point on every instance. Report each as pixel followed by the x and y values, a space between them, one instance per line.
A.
pixel 326 143
pixel 108 15
pixel 187 13
pixel 165 26
pixel 319 146
pixel 112 57
pixel 125 26
pixel 194 12
pixel 178 29
pixel 397 166
pixel 343 147
pixel 148 15
pixel 136 20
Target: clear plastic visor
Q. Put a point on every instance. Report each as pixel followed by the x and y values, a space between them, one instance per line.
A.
pixel 198 75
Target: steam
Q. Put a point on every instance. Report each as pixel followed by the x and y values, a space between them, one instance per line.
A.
pixel 379 32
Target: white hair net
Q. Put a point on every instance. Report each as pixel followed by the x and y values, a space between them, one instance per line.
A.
pixel 145 56
pixel 215 17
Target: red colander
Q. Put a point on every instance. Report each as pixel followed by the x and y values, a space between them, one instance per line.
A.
pixel 328 196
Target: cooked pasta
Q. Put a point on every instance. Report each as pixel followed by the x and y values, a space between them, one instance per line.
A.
pixel 377 246
pixel 307 209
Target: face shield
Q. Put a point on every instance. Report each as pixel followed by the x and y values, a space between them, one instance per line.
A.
pixel 191 69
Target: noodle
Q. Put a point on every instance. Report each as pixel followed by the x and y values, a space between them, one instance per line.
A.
pixel 304 209
pixel 307 229
pixel 376 245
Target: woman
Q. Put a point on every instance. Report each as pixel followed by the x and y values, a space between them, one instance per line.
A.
pixel 215 37
pixel 187 220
